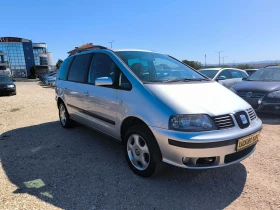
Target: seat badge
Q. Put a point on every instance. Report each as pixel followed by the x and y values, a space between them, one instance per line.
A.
pixel 243 119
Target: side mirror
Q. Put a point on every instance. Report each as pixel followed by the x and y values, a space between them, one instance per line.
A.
pixel 103 81
pixel 221 78
pixel 244 79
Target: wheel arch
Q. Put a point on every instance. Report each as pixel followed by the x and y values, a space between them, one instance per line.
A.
pixel 59 100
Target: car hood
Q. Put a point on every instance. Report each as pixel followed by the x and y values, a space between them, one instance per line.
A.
pixel 198 97
pixel 257 86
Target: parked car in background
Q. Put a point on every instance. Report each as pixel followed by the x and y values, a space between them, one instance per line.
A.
pixel 7 86
pixel 50 80
pixel 44 76
pixel 250 71
pixel 188 121
pixel 262 90
pixel 6 71
pixel 225 76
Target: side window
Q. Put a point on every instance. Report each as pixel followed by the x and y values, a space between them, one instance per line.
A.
pixel 235 74
pixel 63 70
pixel 101 66
pixel 78 68
pixel 225 73
pixel 124 83
pixel 243 75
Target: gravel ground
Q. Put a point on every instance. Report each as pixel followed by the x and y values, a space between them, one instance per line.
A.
pixel 43 166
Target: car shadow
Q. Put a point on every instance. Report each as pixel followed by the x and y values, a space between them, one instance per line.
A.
pixel 270 119
pixel 81 169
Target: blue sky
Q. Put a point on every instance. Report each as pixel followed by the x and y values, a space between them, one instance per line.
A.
pixel 248 30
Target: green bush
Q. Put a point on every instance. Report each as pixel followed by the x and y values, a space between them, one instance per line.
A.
pixel 33 72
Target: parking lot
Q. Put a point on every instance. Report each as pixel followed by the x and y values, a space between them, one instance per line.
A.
pixel 43 166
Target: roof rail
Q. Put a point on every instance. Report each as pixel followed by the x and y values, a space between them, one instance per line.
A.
pixel 79 50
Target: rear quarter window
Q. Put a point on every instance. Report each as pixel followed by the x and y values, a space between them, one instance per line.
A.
pixel 63 70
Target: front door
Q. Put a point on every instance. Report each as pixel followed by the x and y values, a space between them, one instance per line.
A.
pixel 225 73
pixel 101 103
pixel 236 76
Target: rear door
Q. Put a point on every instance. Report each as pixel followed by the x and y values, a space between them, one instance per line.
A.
pixel 74 90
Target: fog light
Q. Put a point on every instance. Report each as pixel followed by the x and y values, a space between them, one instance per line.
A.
pixel 185 160
pixel 206 161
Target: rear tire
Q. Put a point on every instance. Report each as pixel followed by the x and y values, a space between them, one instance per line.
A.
pixel 142 151
pixel 64 117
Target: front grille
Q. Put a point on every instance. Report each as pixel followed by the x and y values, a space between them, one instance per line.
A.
pixel 251 114
pixel 254 103
pixel 238 155
pixel 255 95
pixel 223 121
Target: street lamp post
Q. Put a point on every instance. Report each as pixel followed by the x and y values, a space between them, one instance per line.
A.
pixel 224 59
pixel 220 56
pixel 111 43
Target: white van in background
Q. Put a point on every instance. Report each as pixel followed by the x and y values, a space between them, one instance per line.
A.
pixel 6 71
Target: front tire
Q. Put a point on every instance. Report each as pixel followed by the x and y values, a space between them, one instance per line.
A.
pixel 142 151
pixel 64 117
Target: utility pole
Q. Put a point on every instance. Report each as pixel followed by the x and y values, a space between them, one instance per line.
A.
pixel 224 59
pixel 219 56
pixel 233 62
pixel 205 61
pixel 111 43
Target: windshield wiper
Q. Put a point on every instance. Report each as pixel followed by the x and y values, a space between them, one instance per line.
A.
pixel 187 80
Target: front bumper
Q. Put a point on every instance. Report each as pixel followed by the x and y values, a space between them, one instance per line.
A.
pixel 267 105
pixel 4 91
pixel 192 146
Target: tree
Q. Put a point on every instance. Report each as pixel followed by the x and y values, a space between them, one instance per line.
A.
pixel 194 64
pixel 33 72
pixel 58 63
pixel 243 66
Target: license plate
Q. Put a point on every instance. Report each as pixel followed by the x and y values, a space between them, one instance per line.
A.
pixel 248 141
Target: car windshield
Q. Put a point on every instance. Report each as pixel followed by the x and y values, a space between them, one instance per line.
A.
pixel 154 67
pixel 250 72
pixel 209 73
pixel 4 78
pixel 266 74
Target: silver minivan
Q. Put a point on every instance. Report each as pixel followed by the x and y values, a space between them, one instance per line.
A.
pixel 162 110
pixel 227 77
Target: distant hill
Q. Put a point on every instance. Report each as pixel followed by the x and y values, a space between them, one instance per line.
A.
pixel 253 64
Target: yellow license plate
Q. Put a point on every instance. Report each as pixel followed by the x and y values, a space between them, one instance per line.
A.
pixel 248 141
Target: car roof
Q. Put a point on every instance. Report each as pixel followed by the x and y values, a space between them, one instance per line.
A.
pixel 136 50
pixel 272 67
pixel 114 50
pixel 221 69
pixel 211 69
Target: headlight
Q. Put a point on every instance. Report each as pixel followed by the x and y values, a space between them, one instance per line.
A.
pixel 10 86
pixel 191 123
pixel 275 94
pixel 233 90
